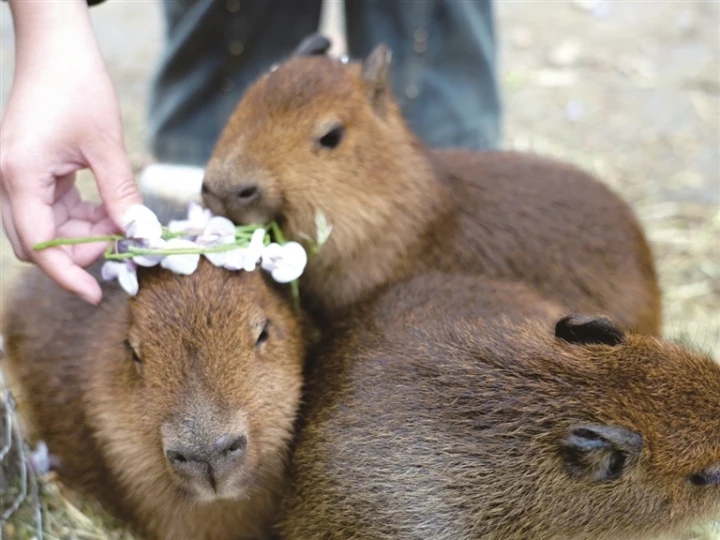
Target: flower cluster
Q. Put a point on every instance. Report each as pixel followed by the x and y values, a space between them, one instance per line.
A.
pixel 179 247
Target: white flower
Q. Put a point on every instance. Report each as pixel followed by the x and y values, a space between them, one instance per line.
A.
pixel 198 219
pixel 141 222
pixel 217 228
pixel 218 231
pixel 234 259
pixel 124 272
pixel 285 263
pixel 254 252
pixel 143 225
pixel 181 263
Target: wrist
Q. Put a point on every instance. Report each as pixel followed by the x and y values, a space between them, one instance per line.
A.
pixel 41 24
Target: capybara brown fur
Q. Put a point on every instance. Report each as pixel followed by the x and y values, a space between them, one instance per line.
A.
pixel 454 408
pixel 174 408
pixel 317 134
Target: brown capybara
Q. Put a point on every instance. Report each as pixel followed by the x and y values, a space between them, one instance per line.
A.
pixel 457 409
pixel 317 134
pixel 174 408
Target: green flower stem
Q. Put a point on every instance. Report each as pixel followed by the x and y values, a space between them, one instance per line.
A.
pixel 71 241
pixel 277 232
pixel 135 251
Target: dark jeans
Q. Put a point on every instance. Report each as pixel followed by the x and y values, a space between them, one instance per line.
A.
pixel 444 65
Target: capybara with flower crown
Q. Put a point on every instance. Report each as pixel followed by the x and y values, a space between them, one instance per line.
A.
pixel 320 134
pixel 457 408
pixel 175 407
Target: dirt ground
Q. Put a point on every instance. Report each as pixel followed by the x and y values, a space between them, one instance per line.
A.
pixel 628 90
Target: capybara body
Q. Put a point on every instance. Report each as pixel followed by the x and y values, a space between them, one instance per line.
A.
pixel 454 408
pixel 174 408
pixel 317 134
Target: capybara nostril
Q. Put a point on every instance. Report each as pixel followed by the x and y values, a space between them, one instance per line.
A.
pixel 247 194
pixel 177 457
pixel 229 447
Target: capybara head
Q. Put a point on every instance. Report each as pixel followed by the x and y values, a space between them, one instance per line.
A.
pixel 659 439
pixel 205 400
pixel 317 133
pixel 633 425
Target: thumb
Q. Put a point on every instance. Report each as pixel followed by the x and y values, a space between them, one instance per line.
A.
pixel 115 181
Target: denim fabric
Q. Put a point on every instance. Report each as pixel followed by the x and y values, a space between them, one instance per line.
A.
pixel 444 65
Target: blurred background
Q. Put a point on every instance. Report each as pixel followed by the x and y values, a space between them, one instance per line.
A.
pixel 629 90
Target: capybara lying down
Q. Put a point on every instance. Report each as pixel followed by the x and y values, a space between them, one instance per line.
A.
pixel 455 408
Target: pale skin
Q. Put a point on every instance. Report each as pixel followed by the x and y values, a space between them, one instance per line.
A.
pixel 62 116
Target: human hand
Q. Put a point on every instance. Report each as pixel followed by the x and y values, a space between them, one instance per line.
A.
pixel 62 116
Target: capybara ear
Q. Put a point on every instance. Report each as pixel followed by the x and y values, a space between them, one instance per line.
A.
pixel 599 452
pixel 313 45
pixel 589 330
pixel 376 73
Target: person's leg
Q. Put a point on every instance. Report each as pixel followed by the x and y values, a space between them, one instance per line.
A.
pixel 444 65
pixel 214 49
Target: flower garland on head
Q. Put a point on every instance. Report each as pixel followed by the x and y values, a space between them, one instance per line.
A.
pixel 178 246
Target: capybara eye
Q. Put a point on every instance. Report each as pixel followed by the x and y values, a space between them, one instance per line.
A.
pixel 333 137
pixel 263 336
pixel 710 477
pixel 132 351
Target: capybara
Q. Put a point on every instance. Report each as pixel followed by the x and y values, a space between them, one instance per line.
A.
pixel 317 134
pixel 454 408
pixel 174 408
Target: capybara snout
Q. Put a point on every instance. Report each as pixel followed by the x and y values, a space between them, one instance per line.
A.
pixel 206 450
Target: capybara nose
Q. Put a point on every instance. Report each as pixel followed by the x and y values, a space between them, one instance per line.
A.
pixel 198 459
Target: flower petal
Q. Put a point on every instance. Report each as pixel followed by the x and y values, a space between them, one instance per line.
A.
pixel 271 256
pixel 184 263
pixel 111 270
pixel 235 259
pixel 286 274
pixel 181 264
pixel 128 279
pixel 151 260
pixel 217 258
pixel 197 215
pixel 178 225
pixel 255 249
pixel 218 229
pixel 147 260
pixel 141 222
pixel 144 229
pixel 138 212
pixel 295 254
pixel 285 263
